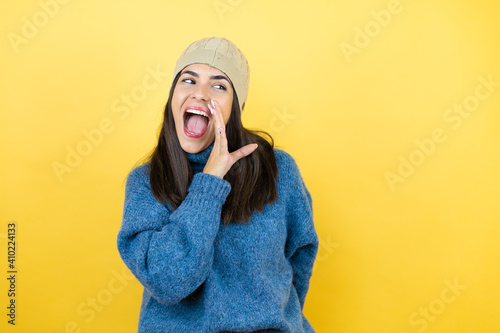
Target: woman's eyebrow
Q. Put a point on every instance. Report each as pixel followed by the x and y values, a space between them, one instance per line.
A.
pixel 219 77
pixel 191 73
pixel 214 77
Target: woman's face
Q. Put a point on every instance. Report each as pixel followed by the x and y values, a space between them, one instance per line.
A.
pixel 197 85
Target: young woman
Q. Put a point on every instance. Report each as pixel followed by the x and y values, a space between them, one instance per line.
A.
pixel 217 224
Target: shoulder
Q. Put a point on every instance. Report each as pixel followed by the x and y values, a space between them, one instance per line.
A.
pixel 288 171
pixel 285 162
pixel 139 175
pixel 290 183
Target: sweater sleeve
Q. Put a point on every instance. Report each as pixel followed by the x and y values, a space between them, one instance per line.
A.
pixel 170 253
pixel 302 240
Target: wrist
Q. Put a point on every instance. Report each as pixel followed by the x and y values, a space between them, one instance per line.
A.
pixel 213 173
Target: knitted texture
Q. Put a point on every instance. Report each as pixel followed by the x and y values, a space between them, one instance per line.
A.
pixel 222 54
pixel 201 276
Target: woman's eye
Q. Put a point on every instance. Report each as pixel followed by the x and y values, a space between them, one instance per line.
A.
pixel 220 86
pixel 188 80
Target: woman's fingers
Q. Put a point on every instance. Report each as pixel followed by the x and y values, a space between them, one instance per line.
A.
pixel 213 117
pixel 219 127
pixel 220 160
pixel 243 151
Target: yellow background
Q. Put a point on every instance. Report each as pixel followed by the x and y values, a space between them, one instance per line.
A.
pixel 390 250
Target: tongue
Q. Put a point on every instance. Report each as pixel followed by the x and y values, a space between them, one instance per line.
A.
pixel 196 124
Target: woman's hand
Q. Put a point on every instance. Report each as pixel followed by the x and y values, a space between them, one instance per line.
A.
pixel 220 160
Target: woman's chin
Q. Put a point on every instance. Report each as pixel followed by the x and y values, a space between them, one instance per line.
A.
pixel 194 146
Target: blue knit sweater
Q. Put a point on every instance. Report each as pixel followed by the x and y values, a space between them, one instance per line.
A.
pixel 201 276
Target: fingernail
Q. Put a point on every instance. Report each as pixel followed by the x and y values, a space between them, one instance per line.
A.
pixel 210 108
pixel 213 103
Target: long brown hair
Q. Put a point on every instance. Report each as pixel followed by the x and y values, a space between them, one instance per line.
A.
pixel 252 178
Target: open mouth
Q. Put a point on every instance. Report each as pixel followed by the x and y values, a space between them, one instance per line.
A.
pixel 196 121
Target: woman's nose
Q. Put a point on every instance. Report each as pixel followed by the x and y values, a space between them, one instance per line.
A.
pixel 201 93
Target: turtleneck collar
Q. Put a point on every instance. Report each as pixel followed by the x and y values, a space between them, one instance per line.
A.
pixel 199 160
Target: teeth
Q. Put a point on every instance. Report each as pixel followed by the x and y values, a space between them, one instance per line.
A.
pixel 201 113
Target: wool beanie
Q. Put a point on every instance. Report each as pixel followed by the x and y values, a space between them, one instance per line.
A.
pixel 222 54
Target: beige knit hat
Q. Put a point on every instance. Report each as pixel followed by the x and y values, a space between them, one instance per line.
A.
pixel 222 54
